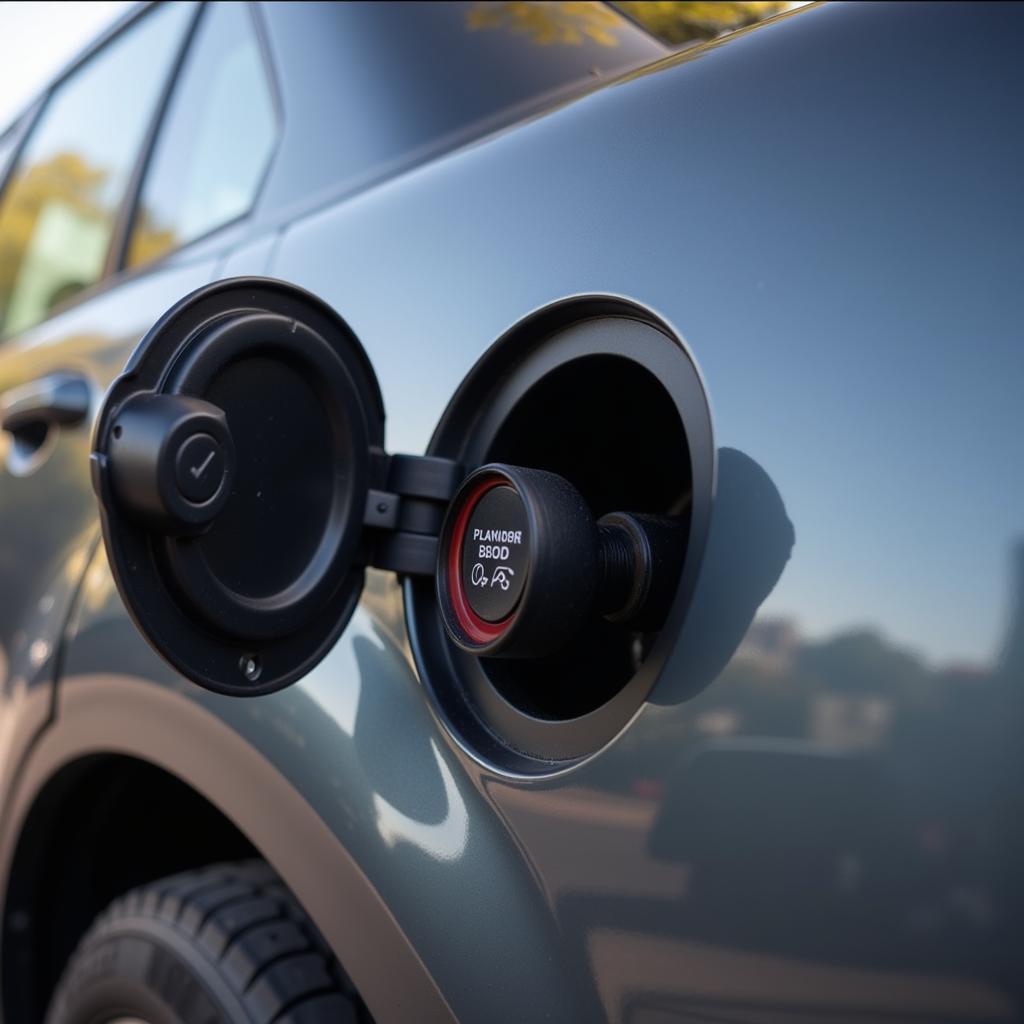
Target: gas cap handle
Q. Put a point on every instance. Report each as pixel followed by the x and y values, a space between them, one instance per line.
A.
pixel 171 461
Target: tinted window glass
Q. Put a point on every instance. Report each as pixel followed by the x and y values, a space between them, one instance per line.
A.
pixel 58 210
pixel 370 87
pixel 215 142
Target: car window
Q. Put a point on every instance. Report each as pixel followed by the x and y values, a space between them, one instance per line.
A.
pixel 370 88
pixel 59 208
pixel 215 142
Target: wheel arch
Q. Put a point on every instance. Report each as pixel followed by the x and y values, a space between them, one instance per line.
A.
pixel 114 740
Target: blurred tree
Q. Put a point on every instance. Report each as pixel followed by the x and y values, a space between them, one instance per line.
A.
pixel 546 23
pixel 572 22
pixel 63 191
pixel 65 179
pixel 862 660
pixel 678 23
pixel 149 240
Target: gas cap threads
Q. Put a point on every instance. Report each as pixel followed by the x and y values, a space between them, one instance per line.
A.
pixel 522 564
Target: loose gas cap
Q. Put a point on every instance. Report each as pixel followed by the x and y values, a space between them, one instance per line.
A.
pixel 522 564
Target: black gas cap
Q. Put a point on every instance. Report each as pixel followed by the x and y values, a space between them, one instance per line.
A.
pixel 522 564
pixel 495 558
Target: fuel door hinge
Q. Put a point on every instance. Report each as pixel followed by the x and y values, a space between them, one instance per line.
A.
pixel 404 511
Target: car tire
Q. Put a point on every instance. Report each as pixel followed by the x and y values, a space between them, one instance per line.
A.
pixel 227 944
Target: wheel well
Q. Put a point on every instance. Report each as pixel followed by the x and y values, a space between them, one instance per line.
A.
pixel 99 827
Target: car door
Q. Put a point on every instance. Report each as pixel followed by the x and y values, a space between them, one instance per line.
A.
pixel 92 225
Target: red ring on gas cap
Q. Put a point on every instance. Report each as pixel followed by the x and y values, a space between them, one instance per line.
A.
pixel 478 630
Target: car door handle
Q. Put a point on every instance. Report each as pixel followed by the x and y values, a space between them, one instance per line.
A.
pixel 58 398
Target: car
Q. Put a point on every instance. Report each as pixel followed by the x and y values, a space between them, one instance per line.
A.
pixel 505 520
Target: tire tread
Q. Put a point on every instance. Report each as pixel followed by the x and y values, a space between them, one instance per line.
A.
pixel 249 926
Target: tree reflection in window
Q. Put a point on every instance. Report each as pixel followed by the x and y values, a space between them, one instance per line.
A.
pixel 58 212
pixel 576 23
pixel 680 23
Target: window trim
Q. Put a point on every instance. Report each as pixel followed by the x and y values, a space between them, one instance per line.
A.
pixel 125 216
pixel 117 265
pixel 19 130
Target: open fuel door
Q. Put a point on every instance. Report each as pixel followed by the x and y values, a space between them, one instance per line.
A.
pixel 244 488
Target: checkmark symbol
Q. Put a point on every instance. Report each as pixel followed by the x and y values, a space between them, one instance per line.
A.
pixel 198 471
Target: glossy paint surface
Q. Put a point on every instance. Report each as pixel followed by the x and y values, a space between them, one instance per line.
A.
pixel 828 211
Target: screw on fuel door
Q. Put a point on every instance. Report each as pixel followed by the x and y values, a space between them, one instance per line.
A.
pixel 522 564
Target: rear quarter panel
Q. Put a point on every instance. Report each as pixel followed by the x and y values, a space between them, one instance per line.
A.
pixel 828 210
